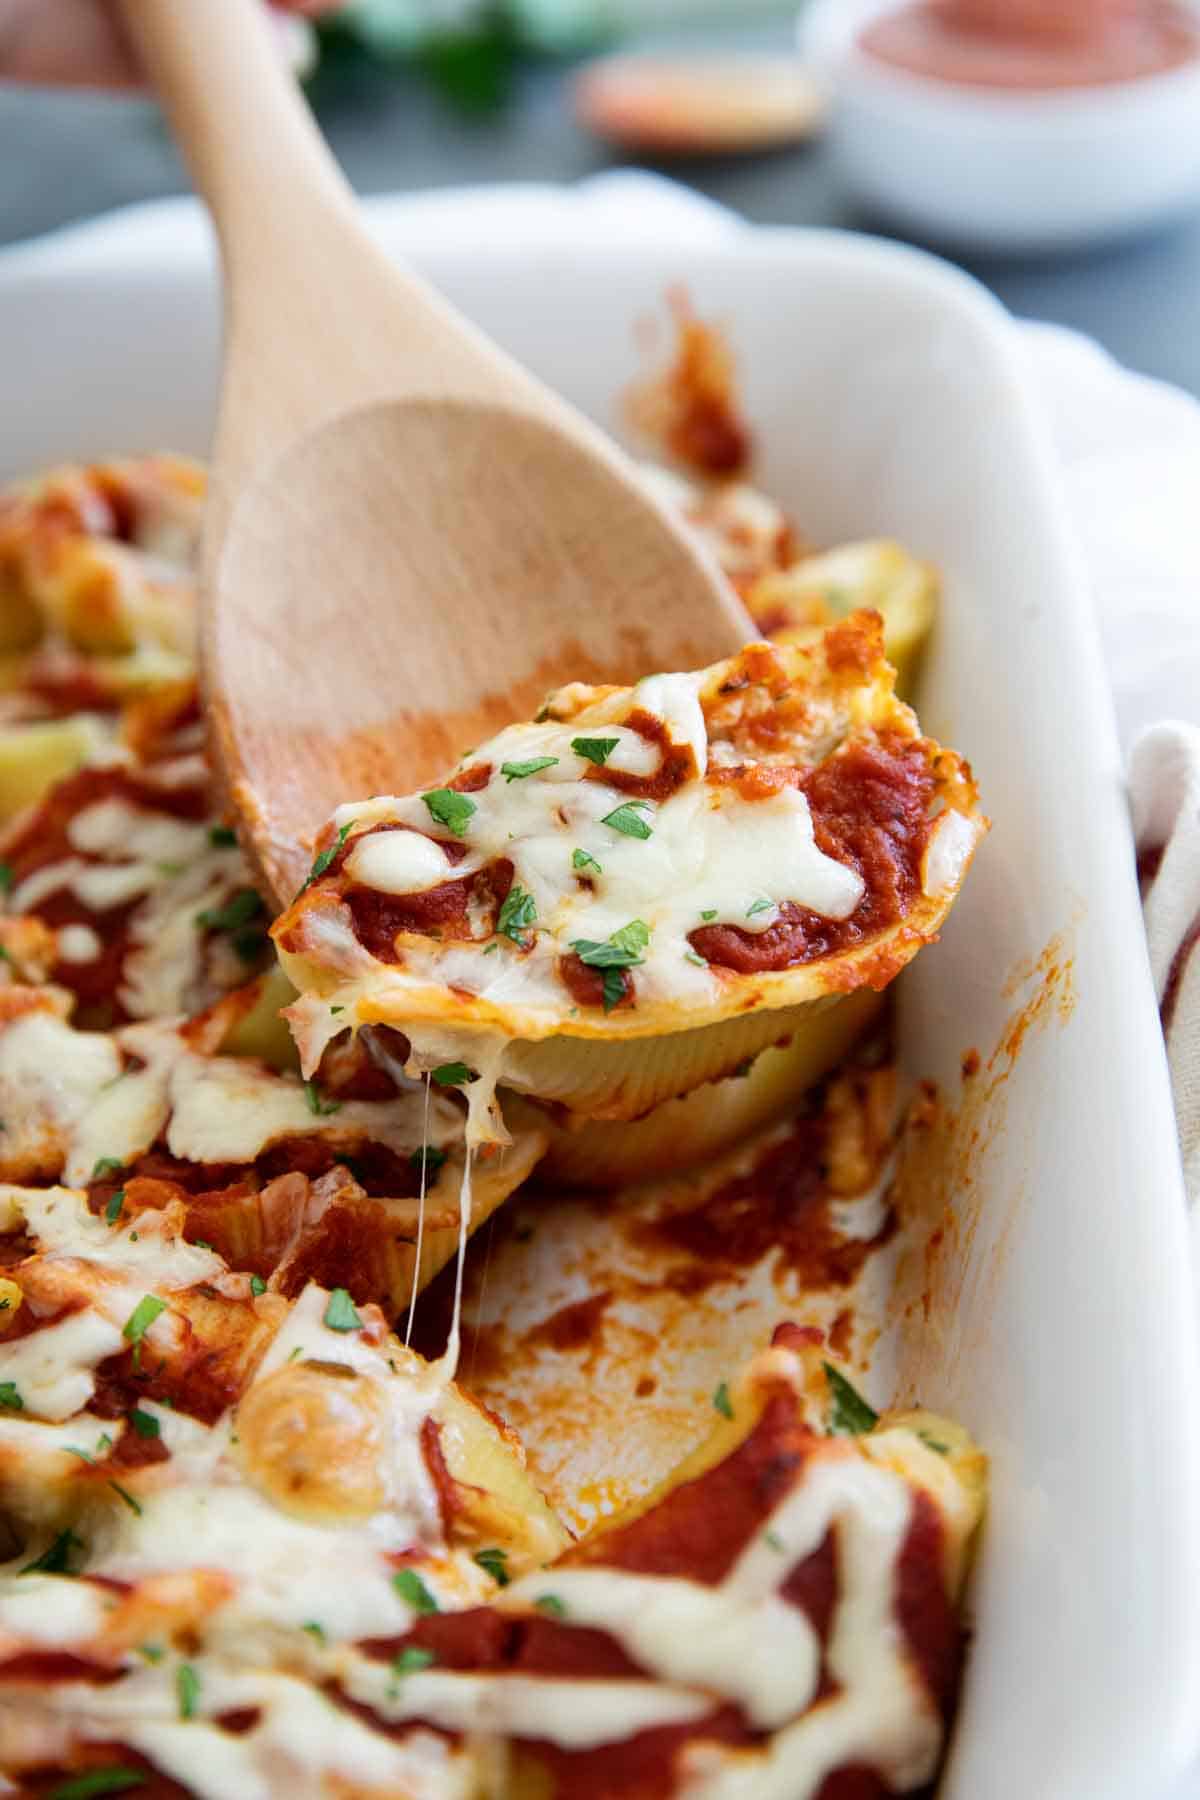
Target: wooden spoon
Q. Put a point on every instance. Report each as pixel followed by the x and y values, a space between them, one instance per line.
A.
pixel 409 539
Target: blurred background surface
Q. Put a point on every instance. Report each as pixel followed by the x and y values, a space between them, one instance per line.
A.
pixel 432 93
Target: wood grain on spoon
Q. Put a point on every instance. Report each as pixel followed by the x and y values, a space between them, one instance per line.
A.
pixel 409 539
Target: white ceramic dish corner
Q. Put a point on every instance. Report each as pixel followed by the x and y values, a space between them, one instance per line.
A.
pixel 888 398
pixel 1015 172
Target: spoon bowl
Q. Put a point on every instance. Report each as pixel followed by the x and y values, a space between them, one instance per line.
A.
pixel 396 522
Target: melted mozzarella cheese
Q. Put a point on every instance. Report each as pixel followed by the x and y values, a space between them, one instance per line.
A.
pixel 739 1640
pixel 168 869
pixel 45 1609
pixel 579 1714
pixel 226 1109
pixel 283 1566
pixel 200 1508
pixel 62 1224
pixel 53 1370
pixel 50 1076
pixel 711 856
pixel 71 1089
pixel 113 828
pixel 77 944
pixel 399 862
pixel 300 1744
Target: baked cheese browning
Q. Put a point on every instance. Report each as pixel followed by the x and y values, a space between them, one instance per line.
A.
pixel 180 1566
pixel 781 1611
pixel 706 850
pixel 234 1432
pixel 97 575
pixel 290 1181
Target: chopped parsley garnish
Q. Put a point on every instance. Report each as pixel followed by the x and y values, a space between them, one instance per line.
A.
pixel 153 1653
pixel 709 915
pixel 56 1558
pixel 760 906
pixel 518 771
pixel 170 869
pixel 517 914
pixel 411 1660
pixel 112 1211
pixel 584 863
pixel 140 1321
pixel 494 1563
pixel 449 808
pixel 411 1588
pixel 187 1686
pixel 454 1074
pixel 10 1397
pixel 594 750
pixel 245 905
pixel 145 1424
pixel 335 1010
pixel 619 952
pixel 623 950
pixel 691 956
pixel 316 1105
pixel 222 837
pixel 127 1497
pixel 775 1541
pixel 849 1415
pixel 551 1605
pixel 111 1779
pixel 927 1437
pixel 6 878
pixel 428 1160
pixel 257 1285
pixel 107 1165
pixel 628 818
pixel 721 1400
pixel 314 1630
pixel 323 859
pixel 341 1314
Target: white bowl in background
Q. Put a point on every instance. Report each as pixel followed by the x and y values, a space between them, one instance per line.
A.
pixel 1055 169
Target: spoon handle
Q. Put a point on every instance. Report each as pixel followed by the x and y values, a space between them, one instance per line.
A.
pixel 318 322
pixel 251 145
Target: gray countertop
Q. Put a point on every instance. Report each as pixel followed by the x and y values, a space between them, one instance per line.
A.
pixel 65 156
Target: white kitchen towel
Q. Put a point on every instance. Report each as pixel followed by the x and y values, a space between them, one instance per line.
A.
pixel 1130 455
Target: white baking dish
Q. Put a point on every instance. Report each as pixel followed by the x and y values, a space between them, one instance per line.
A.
pixel 888 399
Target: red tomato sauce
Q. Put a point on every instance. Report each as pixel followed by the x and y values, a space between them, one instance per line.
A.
pixel 1028 45
pixel 43 840
pixel 869 806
